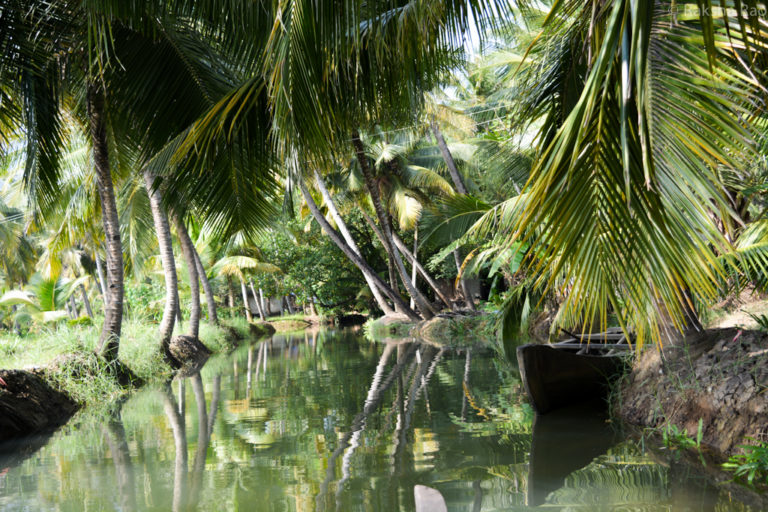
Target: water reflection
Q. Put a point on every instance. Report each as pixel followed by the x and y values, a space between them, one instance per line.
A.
pixel 114 432
pixel 327 421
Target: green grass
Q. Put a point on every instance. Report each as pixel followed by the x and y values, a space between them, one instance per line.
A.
pixel 238 324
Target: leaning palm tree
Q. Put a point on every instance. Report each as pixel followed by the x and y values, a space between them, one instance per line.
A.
pixel 321 77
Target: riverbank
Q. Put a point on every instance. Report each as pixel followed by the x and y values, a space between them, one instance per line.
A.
pixel 717 379
pixel 448 329
pixel 49 375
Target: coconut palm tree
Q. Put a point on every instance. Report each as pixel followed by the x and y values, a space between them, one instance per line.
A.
pixel 375 64
pixel 37 75
pixel 238 265
pixel 636 107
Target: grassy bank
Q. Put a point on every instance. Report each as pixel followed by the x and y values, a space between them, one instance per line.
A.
pixel 297 321
pixel 458 332
pixel 64 355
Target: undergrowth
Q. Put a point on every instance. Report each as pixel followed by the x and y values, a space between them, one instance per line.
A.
pixel 750 467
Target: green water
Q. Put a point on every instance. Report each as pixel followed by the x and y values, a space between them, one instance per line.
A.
pixel 329 421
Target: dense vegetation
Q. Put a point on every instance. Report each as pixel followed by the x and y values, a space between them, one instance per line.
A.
pixel 602 161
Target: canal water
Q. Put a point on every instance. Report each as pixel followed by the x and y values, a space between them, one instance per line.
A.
pixel 329 421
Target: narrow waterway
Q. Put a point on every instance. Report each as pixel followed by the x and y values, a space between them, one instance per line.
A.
pixel 329 421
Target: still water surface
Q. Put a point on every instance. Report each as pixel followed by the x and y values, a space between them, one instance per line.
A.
pixel 328 421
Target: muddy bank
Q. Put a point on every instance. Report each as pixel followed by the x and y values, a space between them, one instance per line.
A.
pixel 719 376
pixel 29 405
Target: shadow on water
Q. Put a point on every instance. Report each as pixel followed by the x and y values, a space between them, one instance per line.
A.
pixel 564 441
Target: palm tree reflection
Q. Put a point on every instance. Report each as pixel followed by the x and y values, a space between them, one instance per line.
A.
pixel 187 486
pixel 114 432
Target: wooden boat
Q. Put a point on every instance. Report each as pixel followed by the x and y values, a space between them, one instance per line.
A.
pixel 572 371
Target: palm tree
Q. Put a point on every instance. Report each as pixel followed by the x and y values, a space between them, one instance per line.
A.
pixel 163 232
pixel 41 78
pixel 638 110
pixel 374 64
pixel 369 273
pixel 242 258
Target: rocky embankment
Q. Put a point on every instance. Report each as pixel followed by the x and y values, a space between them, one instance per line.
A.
pixel 718 376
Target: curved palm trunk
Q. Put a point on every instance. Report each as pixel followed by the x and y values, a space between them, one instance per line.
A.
pixel 350 241
pixel 359 262
pixel 418 267
pixel 187 250
pixel 426 310
pixel 404 250
pixel 248 315
pixel 257 301
pixel 109 341
pixel 164 240
pixel 464 286
pixel 86 302
pixel 458 183
pixel 210 301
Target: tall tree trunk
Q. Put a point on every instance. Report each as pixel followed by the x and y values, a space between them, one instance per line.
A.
pixel 73 306
pixel 370 183
pixel 109 341
pixel 392 274
pixel 421 270
pixel 188 251
pixel 86 302
pixel 359 262
pixel 337 218
pixel 210 301
pixel 248 315
pixel 260 309
pixel 165 243
pixel 288 303
pixel 415 253
pixel 265 306
pixel 230 293
pixel 404 250
pixel 102 282
pixel 458 184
